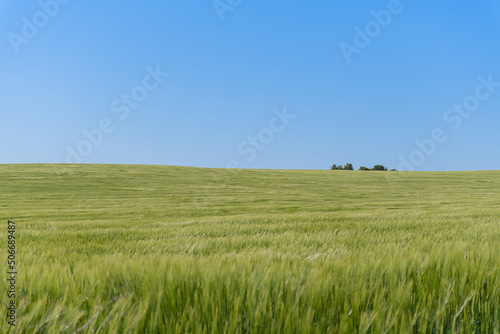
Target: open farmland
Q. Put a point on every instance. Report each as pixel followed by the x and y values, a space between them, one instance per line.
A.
pixel 160 249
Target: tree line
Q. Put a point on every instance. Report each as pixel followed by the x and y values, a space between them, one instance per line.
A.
pixel 349 166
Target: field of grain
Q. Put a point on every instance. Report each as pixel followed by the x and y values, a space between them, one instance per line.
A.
pixel 161 249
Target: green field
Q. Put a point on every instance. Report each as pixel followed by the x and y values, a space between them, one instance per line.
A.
pixel 160 249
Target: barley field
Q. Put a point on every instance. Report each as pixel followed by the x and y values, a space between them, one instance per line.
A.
pixel 162 249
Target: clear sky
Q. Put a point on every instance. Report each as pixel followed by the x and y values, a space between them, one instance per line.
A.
pixel 254 84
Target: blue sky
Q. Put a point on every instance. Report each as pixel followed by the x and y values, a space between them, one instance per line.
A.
pixel 253 84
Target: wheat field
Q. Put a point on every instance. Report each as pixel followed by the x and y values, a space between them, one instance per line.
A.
pixel 163 249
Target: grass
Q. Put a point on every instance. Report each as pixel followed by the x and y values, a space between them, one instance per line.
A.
pixel 160 249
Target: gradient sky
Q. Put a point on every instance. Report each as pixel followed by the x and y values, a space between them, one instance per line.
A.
pixel 228 79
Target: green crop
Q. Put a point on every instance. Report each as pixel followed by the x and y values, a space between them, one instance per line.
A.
pixel 161 249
